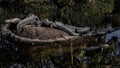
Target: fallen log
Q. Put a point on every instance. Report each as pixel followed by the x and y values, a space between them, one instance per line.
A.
pixel 13 20
pixel 35 47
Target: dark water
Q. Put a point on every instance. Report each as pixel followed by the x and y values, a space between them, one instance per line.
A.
pixel 11 57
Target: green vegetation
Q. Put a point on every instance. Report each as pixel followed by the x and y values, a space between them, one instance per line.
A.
pixel 75 12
